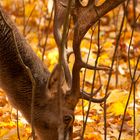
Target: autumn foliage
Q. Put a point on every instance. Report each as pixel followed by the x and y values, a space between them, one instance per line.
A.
pixel 34 19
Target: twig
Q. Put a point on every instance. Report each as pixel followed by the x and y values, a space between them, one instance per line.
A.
pixel 26 23
pixel 93 81
pixel 18 132
pixel 85 75
pixel 47 33
pixel 132 80
pixel 132 33
pixel 24 17
pixel 134 111
pixel 110 73
pixel 131 88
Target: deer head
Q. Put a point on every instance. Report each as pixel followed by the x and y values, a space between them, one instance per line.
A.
pixel 47 100
pixel 54 123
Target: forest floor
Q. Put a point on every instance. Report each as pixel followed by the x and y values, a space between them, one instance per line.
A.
pixel 33 26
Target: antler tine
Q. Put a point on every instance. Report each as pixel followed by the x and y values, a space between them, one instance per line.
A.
pixel 94 100
pixel 87 96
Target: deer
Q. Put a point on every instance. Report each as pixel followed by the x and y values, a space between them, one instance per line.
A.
pixel 48 99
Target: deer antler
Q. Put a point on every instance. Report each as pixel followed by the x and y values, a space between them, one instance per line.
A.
pixel 84 18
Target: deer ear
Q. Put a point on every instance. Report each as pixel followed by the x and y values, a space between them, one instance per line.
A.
pixel 54 78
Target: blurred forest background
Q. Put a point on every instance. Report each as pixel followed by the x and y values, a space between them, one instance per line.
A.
pixel 34 18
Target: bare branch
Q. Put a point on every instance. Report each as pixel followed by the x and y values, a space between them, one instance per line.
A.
pixel 84 65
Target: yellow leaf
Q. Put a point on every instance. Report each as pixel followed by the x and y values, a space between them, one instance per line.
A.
pixel 3 132
pixel 89 76
pixel 118 96
pixel 117 102
pixel 116 108
pixel 92 136
pixel 28 10
pixel 104 60
pixel 107 44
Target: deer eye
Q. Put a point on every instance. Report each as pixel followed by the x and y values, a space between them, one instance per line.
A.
pixel 68 119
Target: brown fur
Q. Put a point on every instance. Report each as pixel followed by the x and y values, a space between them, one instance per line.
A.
pixel 15 80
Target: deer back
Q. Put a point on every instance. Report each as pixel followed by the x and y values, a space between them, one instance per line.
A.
pixel 14 76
